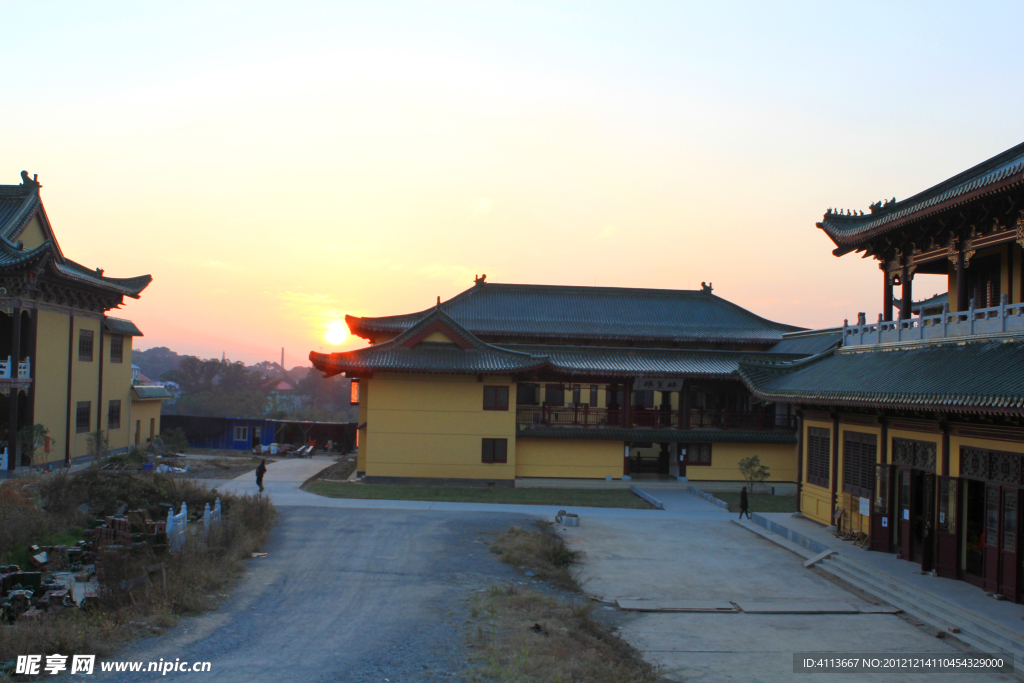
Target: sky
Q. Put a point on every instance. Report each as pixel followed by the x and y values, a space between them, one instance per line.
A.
pixel 276 166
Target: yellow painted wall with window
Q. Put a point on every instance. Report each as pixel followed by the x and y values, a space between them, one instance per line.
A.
pixel 145 417
pixel 815 501
pixel 725 462
pixel 51 380
pixel 849 502
pixel 434 425
pixel 84 384
pixel 117 383
pixel 564 458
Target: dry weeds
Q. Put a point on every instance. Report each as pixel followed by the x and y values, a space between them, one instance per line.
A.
pixel 541 551
pixel 525 636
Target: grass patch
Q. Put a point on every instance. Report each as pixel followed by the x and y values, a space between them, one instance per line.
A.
pixel 541 551
pixel 605 498
pixel 342 469
pixel 526 636
pixel 759 502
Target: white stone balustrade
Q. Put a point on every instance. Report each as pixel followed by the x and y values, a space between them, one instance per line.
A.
pixel 24 368
pixel 1002 318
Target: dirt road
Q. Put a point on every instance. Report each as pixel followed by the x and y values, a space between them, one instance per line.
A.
pixel 352 595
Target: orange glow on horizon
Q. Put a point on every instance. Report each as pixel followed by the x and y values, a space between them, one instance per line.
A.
pixel 337 333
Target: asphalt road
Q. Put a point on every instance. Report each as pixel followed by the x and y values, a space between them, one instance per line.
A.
pixel 345 595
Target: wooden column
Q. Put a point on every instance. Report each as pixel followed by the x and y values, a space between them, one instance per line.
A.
pixel 908 293
pixel 683 405
pixel 886 297
pixel 799 456
pixel 835 467
pixel 627 403
pixel 962 291
pixel 13 454
pixel 944 471
pixel 71 357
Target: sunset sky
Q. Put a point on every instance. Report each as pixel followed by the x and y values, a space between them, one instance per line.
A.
pixel 277 165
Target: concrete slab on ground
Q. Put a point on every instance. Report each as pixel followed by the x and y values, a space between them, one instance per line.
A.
pixel 713 560
pixel 675 605
pixel 797 607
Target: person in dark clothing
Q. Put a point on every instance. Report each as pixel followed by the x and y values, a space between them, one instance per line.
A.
pixel 262 469
pixel 744 504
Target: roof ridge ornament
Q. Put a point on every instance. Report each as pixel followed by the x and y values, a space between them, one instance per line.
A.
pixel 30 183
pixel 706 288
pixel 479 279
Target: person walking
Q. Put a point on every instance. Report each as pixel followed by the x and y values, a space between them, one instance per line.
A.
pixel 262 469
pixel 744 504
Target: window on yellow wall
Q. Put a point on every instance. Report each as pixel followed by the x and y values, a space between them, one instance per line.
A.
pixel 495 398
pixel 554 395
pixel 494 451
pixel 819 447
pixel 85 346
pixel 83 417
pixel 593 395
pixel 117 349
pixel 353 394
pixel 114 415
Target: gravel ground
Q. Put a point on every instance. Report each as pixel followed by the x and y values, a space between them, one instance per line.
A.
pixel 345 595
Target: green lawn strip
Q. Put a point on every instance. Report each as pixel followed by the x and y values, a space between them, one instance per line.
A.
pixel 759 502
pixel 602 498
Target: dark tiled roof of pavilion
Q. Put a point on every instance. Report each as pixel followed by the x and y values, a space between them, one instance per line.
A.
pixel 979 375
pixel 1002 170
pixel 147 392
pixel 659 435
pixel 808 343
pixel 405 354
pixel 597 313
pixel 18 204
pixel 632 362
pixel 121 326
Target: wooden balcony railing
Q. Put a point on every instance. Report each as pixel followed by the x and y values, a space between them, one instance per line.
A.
pixel 585 416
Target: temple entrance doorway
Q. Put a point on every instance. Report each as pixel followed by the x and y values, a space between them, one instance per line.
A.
pixel 974 532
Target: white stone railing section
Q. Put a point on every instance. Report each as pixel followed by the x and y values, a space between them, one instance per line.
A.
pixel 212 517
pixel 1002 318
pixel 24 368
pixel 176 524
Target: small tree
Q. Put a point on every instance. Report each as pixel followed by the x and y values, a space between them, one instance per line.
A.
pixel 98 444
pixel 753 471
pixel 31 437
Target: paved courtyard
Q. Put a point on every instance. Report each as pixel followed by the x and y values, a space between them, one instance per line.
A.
pixel 683 562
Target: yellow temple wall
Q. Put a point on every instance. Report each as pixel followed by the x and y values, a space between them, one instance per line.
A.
pixel 433 426
pixel 564 458
pixel 725 462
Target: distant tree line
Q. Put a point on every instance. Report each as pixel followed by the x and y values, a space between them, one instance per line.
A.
pixel 225 388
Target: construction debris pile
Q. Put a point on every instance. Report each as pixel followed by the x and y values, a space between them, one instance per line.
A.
pixel 70 576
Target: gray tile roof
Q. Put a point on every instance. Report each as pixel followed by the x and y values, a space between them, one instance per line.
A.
pixel 632 362
pixel 983 375
pixel 658 435
pixel 431 357
pixel 508 311
pixel 145 392
pixel 808 343
pixel 121 326
pixel 1001 170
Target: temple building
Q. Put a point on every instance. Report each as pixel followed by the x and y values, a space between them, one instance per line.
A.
pixel 912 431
pixel 64 363
pixel 507 381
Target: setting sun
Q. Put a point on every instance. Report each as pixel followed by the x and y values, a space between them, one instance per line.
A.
pixel 337 333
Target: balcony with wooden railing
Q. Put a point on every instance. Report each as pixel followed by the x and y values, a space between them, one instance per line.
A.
pixel 586 416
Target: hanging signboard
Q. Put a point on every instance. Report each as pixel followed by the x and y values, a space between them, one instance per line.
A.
pixel 657 384
pixel 865 506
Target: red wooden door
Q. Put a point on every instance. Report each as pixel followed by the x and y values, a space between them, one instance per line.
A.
pixel 947 544
pixel 906 536
pixel 882 519
pixel 992 510
pixel 1008 553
